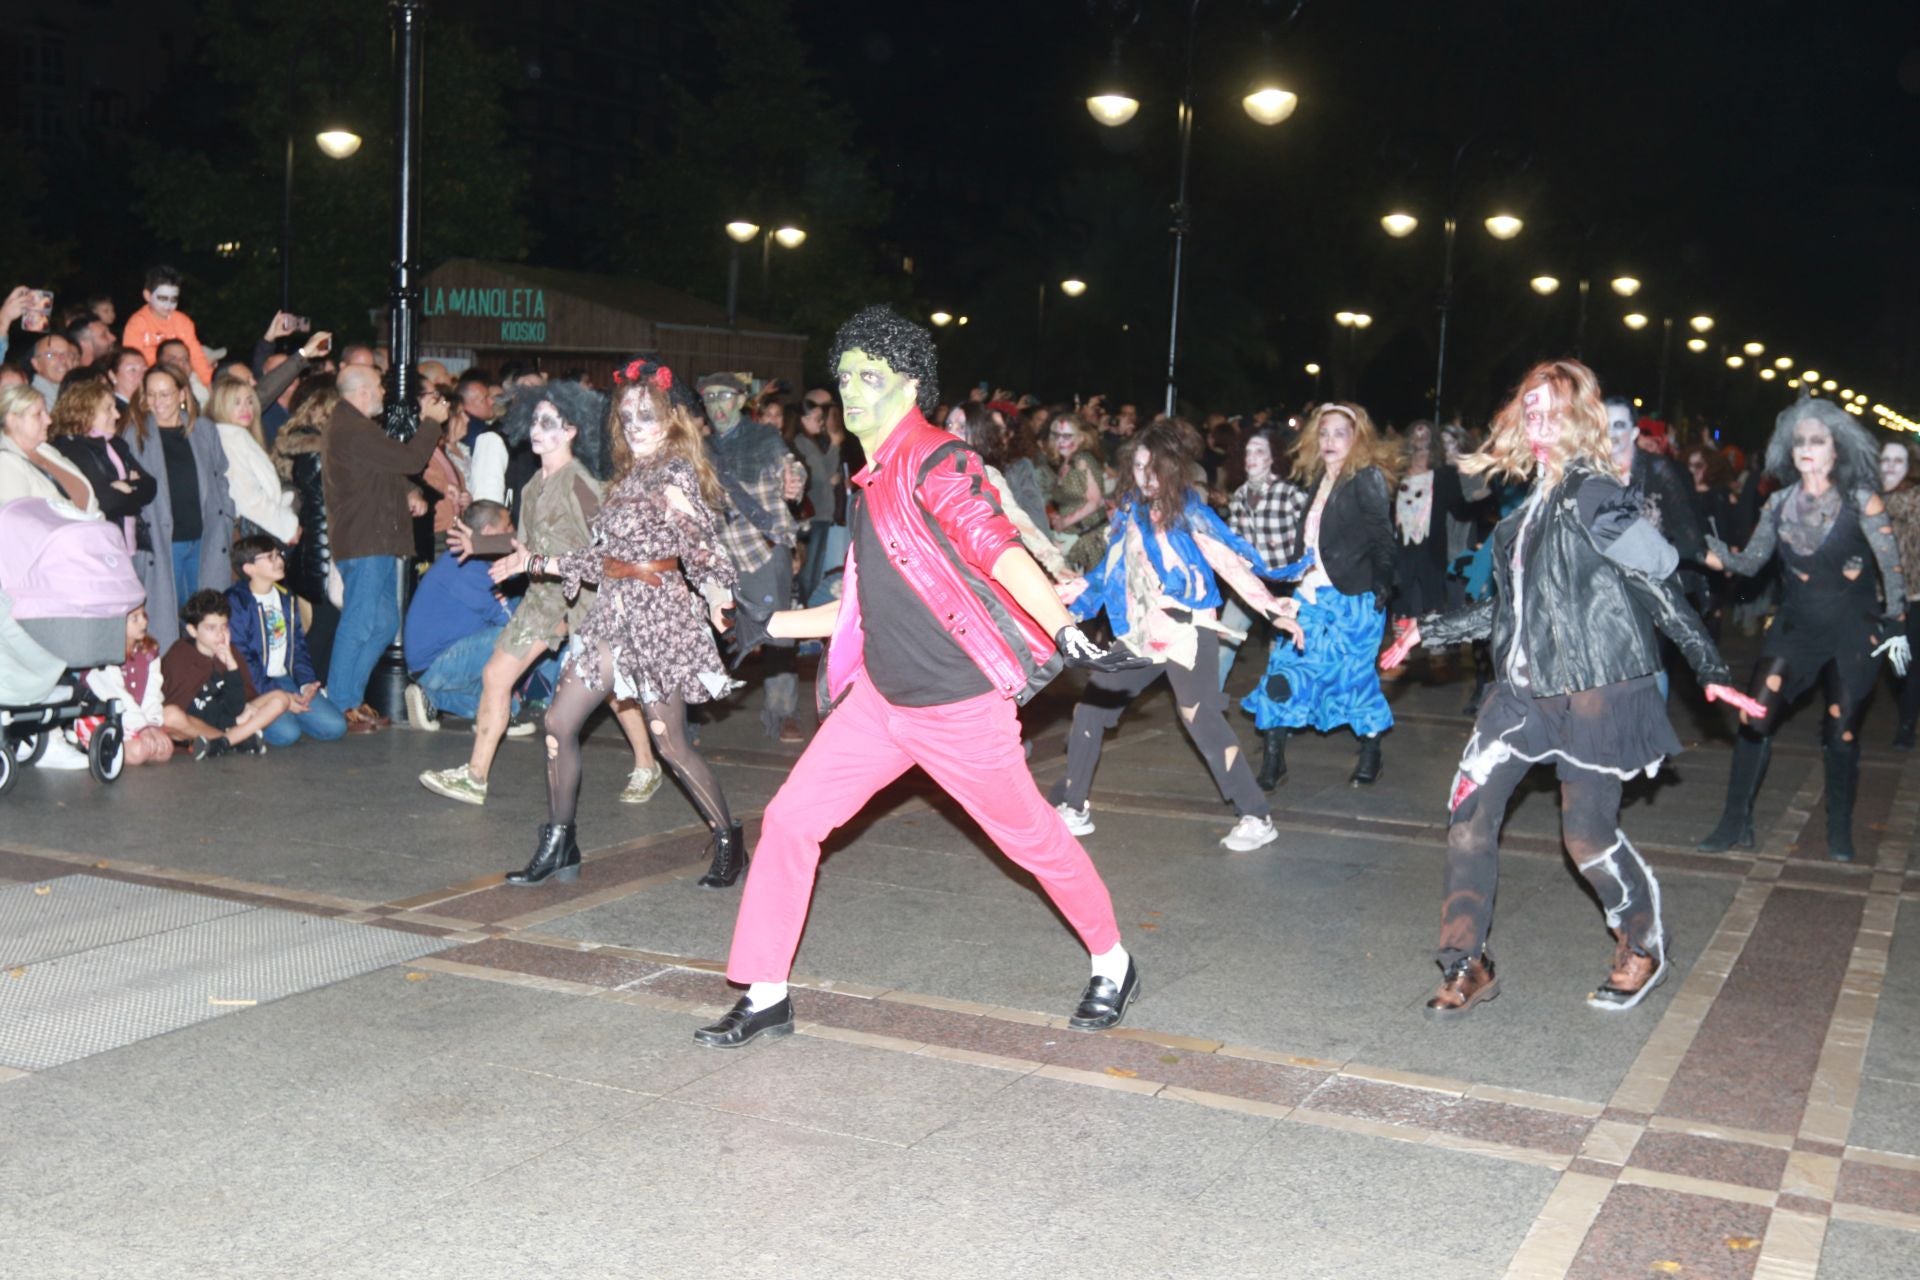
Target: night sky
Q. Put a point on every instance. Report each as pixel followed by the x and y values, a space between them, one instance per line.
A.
pixel 1754 161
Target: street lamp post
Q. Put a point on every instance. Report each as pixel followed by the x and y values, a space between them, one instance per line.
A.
pixel 1072 287
pixel 1353 322
pixel 335 142
pixel 387 687
pixel 741 233
pixel 1112 106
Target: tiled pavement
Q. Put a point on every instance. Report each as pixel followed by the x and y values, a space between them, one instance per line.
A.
pixel 528 1101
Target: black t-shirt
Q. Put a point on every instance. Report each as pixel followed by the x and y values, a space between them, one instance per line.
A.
pixel 183 483
pixel 911 659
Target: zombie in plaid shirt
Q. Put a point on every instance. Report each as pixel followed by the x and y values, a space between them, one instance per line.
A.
pixel 752 457
pixel 1269 516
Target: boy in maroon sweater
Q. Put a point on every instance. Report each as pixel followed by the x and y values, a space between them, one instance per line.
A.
pixel 209 698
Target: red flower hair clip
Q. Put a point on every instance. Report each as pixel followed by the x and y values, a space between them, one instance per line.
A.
pixel 631 373
pixel 663 377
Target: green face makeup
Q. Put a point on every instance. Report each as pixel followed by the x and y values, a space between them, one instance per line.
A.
pixel 875 398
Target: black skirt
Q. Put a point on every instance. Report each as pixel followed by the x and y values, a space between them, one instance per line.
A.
pixel 1619 729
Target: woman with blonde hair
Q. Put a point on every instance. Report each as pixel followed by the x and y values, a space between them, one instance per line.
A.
pixel 654 543
pixel 259 499
pixel 1581 581
pixel 29 466
pixel 1340 605
pixel 1079 497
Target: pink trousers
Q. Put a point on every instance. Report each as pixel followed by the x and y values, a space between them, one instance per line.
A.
pixel 972 749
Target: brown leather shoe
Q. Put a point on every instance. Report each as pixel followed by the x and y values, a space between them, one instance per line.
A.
pixel 790 731
pixel 1464 985
pixel 1631 978
pixel 359 720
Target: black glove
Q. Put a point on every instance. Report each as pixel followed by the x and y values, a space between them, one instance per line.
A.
pixel 746 631
pixel 1078 651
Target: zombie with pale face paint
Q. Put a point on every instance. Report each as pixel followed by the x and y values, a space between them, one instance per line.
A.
pixel 1581 581
pixel 1900 489
pixel 941 629
pixel 1160 589
pixel 1266 511
pixel 162 320
pixel 1664 489
pixel 1830 529
pixel 665 583
pixel 758 472
pixel 1331 684
pixel 563 425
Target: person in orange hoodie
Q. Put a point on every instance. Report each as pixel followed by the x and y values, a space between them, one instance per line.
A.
pixel 162 319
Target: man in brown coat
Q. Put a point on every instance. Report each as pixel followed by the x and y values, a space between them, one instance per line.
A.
pixel 370 505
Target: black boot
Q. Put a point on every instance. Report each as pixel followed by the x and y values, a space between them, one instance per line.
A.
pixel 729 858
pixel 1843 779
pixel 1367 772
pixel 557 858
pixel 1750 754
pixel 1273 760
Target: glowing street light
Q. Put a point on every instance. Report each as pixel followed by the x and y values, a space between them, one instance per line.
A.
pixel 1793 382
pixel 962 322
pixel 1767 375
pixel 1634 320
pixel 1626 286
pixel 1696 345
pixel 1503 226
pixel 790 237
pixel 1829 385
pixel 1734 362
pixel 1352 319
pixel 1783 363
pixel 1544 285
pixel 742 232
pixel 1073 287
pixel 1313 369
pixel 941 319
pixel 1754 348
pixel 1701 324
pixel 338 143
pixel 1270 104
pixel 1113 109
pixel 1399 225
pixel 1810 376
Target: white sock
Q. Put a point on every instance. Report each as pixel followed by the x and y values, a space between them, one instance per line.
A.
pixel 765 995
pixel 1112 964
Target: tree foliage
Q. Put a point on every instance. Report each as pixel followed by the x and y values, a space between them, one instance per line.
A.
pixel 307 67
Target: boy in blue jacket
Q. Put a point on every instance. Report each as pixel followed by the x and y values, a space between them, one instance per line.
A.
pixel 268 637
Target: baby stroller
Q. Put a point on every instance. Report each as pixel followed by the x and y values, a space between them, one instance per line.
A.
pixel 66 587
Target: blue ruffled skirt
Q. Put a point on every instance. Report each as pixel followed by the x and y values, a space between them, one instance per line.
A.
pixel 1333 682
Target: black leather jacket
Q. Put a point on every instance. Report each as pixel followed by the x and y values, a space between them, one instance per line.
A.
pixel 1358 547
pixel 1598 580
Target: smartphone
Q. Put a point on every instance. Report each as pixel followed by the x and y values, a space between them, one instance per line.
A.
pixel 39 309
pixel 301 324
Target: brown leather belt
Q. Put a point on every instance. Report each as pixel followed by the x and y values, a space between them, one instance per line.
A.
pixel 647 571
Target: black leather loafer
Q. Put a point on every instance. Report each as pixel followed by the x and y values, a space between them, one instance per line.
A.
pixel 742 1024
pixel 1104 1004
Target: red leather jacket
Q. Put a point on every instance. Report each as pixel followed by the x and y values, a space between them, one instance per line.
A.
pixel 931 506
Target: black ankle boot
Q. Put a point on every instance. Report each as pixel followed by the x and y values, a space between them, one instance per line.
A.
pixel 1273 759
pixel 1750 755
pixel 1843 779
pixel 729 858
pixel 557 858
pixel 1367 772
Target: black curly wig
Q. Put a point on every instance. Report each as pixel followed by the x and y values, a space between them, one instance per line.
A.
pixel 580 408
pixel 885 334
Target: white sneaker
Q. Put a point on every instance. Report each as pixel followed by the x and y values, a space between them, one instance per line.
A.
pixel 1250 833
pixel 420 712
pixel 1079 821
pixel 60 754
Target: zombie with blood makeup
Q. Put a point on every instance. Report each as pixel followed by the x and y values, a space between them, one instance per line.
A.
pixel 1831 531
pixel 1582 581
pixel 944 626
pixel 1900 490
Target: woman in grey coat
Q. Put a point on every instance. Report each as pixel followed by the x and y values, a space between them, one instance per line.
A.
pixel 161 411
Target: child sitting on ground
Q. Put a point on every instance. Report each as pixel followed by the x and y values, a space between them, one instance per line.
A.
pixel 136 682
pixel 210 699
pixel 265 632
